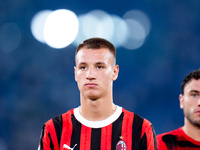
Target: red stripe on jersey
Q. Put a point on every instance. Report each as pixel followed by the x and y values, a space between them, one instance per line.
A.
pixel 130 126
pixel 85 138
pixel 127 129
pixel 53 135
pixel 106 134
pixel 67 129
pixel 148 130
pixel 45 145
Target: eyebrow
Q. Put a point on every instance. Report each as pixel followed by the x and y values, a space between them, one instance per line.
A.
pixel 82 63
pixel 195 91
pixel 98 63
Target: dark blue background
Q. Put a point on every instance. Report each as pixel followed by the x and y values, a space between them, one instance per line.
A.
pixel 37 82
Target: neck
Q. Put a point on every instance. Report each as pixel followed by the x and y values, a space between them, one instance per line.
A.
pixel 191 130
pixel 97 110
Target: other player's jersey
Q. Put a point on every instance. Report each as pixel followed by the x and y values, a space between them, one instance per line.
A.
pixel 123 130
pixel 176 140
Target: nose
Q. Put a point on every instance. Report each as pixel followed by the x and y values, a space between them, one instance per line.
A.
pixel 199 102
pixel 90 73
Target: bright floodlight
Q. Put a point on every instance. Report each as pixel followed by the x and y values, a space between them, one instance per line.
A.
pixel 96 23
pixel 61 28
pixel 37 24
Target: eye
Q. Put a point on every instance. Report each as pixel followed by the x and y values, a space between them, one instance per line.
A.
pixel 99 67
pixel 82 67
pixel 194 95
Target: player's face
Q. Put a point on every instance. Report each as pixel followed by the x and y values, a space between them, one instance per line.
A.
pixel 190 102
pixel 95 72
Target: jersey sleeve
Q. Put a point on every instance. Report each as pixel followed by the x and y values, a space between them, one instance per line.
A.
pixel 160 143
pixel 148 137
pixel 48 138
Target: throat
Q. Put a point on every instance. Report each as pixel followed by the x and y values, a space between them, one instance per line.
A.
pixel 97 113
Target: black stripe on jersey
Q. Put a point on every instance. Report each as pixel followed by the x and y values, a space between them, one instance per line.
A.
pixel 154 136
pixel 96 139
pixel 57 121
pixel 76 132
pixel 51 142
pixel 41 138
pixel 136 131
pixel 172 142
pixel 143 143
pixel 116 131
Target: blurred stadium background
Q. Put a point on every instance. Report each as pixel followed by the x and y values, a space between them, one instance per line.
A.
pixel 158 43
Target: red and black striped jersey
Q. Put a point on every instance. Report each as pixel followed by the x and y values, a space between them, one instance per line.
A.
pixel 176 140
pixel 123 130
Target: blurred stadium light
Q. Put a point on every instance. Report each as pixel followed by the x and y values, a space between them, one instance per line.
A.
pixel 61 28
pixel 37 24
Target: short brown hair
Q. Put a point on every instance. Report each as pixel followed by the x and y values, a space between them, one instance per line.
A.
pixel 192 75
pixel 97 43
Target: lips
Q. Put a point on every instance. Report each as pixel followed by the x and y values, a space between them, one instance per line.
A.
pixel 91 85
pixel 197 112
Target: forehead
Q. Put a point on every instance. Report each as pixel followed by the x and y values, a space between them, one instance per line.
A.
pixel 93 54
pixel 192 85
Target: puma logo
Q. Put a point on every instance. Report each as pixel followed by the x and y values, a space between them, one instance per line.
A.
pixel 66 146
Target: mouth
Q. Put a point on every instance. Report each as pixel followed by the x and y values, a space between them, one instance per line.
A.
pixel 197 112
pixel 91 85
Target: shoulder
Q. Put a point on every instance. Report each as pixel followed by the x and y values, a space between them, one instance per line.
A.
pixel 170 134
pixel 142 130
pixel 138 120
pixel 168 138
pixel 136 116
pixel 58 120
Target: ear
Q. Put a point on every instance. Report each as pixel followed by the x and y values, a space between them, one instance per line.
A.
pixel 181 100
pixel 75 73
pixel 115 72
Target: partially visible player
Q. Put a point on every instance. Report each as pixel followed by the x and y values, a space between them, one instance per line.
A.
pixel 97 124
pixel 188 136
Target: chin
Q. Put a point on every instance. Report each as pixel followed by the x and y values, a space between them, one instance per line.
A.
pixel 92 95
pixel 93 98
